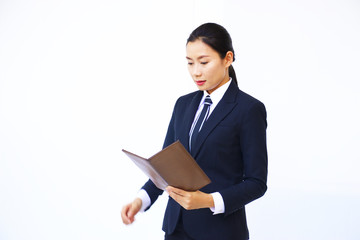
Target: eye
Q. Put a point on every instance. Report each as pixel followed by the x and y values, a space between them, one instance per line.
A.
pixel 190 63
pixel 203 63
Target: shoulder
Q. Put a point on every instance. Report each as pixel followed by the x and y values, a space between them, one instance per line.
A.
pixel 247 105
pixel 187 99
pixel 246 99
pixel 242 99
pixel 189 96
pixel 253 109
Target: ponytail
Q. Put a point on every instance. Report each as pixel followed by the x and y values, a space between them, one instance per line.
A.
pixel 232 74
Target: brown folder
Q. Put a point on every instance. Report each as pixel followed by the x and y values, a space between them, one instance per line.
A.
pixel 172 166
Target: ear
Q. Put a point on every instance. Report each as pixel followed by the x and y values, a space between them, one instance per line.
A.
pixel 229 58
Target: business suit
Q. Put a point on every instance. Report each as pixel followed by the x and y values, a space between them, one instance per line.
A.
pixel 231 149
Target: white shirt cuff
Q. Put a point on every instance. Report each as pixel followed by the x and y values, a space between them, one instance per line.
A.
pixel 218 202
pixel 145 199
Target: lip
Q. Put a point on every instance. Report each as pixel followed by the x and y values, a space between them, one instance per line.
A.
pixel 200 82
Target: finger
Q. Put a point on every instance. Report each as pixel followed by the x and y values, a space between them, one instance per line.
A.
pixel 127 214
pixel 131 215
pixel 177 197
pixel 172 194
pixel 177 191
pixel 124 215
pixel 171 188
pixel 180 200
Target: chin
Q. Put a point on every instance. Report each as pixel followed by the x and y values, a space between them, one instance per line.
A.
pixel 201 88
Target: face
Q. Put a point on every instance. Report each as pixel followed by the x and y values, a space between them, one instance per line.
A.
pixel 208 70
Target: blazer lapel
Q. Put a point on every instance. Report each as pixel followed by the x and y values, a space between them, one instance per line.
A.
pixel 224 107
pixel 189 115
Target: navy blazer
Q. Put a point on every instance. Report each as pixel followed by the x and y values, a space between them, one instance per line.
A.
pixel 231 149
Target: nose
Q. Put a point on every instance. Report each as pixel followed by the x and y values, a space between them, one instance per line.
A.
pixel 196 71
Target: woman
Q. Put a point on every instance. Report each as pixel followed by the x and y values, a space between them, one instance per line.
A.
pixel 224 129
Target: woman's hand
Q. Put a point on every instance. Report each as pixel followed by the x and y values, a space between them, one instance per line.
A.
pixel 191 200
pixel 129 211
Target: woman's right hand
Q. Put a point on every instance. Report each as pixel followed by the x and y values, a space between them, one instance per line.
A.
pixel 129 211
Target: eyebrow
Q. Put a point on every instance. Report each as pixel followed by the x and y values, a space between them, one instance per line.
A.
pixel 200 57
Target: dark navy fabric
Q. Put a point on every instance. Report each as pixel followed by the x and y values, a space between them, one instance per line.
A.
pixel 231 149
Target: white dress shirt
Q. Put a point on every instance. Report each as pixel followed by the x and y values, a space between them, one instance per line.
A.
pixel 215 96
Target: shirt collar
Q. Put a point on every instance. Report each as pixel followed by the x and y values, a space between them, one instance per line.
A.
pixel 216 95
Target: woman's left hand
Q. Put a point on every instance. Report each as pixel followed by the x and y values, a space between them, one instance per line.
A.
pixel 191 200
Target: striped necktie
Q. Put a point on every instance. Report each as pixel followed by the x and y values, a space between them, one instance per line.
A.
pixel 199 122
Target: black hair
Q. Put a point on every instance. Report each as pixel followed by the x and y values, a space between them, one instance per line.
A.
pixel 217 38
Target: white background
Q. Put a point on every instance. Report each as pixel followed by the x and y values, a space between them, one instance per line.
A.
pixel 80 80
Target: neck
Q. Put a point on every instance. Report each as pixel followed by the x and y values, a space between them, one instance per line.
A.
pixel 225 80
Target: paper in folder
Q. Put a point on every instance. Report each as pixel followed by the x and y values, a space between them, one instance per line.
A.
pixel 172 166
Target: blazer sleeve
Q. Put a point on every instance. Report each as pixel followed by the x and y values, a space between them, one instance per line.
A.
pixel 149 186
pixel 254 155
